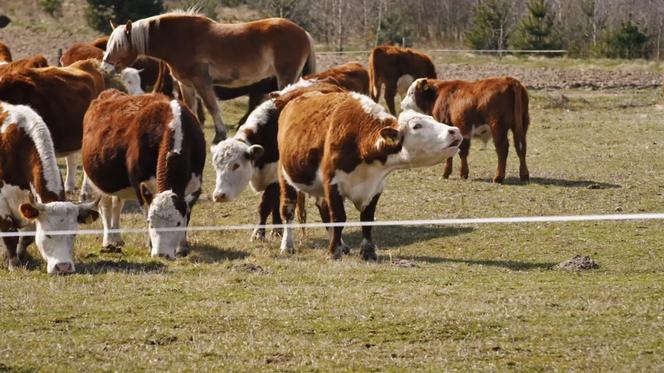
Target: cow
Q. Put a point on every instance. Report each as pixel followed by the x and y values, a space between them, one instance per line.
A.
pixel 148 148
pixel 80 52
pixel 396 67
pixel 351 76
pixel 60 95
pixel 131 78
pixel 32 194
pixel 498 104
pixel 339 146
pixel 251 156
pixel 26 63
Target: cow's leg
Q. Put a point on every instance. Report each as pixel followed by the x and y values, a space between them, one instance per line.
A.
pixel 324 211
pixel 367 247
pixel 276 216
pixel 502 148
pixel 390 93
pixel 206 91
pixel 70 179
pixel 86 189
pixel 449 163
pixel 10 249
pixel 520 146
pixel 106 212
pixel 265 208
pixel 288 200
pixel 335 203
pixel 184 249
pixel 23 243
pixel 118 203
pixel 464 149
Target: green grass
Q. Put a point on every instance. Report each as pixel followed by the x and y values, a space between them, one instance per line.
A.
pixel 479 297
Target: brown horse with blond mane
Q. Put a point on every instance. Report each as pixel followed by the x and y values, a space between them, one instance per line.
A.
pixel 202 53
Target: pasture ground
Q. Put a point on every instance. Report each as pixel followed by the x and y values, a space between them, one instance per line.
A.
pixel 464 298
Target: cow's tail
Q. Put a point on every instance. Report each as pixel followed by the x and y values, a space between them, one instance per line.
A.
pixel 310 65
pixel 374 85
pixel 521 115
pixel 301 210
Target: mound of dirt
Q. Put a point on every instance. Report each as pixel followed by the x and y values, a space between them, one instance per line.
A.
pixel 578 263
pixel 250 267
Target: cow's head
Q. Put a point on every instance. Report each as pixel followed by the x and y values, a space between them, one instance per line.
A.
pixel 233 162
pixel 420 97
pixel 58 249
pixel 166 210
pixel 131 78
pixel 124 45
pixel 424 140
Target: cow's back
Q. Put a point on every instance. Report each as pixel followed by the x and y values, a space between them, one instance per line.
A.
pixel 79 52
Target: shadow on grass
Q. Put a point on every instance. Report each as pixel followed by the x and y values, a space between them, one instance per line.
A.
pixel 204 253
pixel 588 184
pixel 513 265
pixel 121 266
pixel 390 237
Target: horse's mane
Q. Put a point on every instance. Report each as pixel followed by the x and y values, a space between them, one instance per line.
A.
pixel 140 30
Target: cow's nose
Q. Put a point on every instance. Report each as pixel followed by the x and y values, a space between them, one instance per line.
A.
pixel 64 268
pixel 219 197
pixel 454 131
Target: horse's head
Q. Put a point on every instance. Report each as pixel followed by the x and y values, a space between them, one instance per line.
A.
pixel 124 45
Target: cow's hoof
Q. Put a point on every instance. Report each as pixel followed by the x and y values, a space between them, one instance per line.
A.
pixel 287 250
pixel 337 254
pixel 13 264
pixel 258 235
pixel 182 252
pixel 498 179
pixel 525 177
pixel 111 249
pixel 345 249
pixel 368 251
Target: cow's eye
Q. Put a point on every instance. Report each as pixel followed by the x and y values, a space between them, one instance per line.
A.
pixel 236 166
pixel 417 126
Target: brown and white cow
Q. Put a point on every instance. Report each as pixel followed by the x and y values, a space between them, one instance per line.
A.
pixel 251 156
pixel 31 191
pixel 499 104
pixel 147 148
pixel 396 68
pixel 341 146
pixel 60 95
pixel 351 76
pixel 25 63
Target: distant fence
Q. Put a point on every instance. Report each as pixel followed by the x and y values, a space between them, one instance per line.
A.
pixel 479 51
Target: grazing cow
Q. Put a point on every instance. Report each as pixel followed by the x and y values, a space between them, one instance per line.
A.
pixel 497 104
pixel 31 191
pixel 351 76
pixel 397 68
pixel 251 156
pixel 203 53
pixel 343 145
pixel 26 63
pixel 147 148
pixel 60 95
pixel 131 79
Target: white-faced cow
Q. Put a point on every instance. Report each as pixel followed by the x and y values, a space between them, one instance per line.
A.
pixel 341 146
pixel 31 191
pixel 147 148
pixel 251 156
pixel 396 68
pixel 131 78
pixel 496 104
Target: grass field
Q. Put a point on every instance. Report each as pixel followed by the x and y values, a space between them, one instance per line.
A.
pixel 463 298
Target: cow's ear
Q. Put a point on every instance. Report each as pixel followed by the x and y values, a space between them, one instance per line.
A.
pixel 146 194
pixel 255 152
pixel 29 211
pixel 128 28
pixel 389 135
pixel 87 212
pixel 113 25
pixel 423 85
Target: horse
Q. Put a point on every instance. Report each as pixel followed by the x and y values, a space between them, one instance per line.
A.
pixel 202 53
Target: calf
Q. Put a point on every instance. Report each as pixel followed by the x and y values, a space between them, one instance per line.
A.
pixel 60 95
pixel 396 67
pixel 251 156
pixel 497 104
pixel 147 148
pixel 343 145
pixel 131 79
pixel 31 191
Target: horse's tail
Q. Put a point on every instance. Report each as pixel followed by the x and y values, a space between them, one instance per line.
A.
pixel 301 210
pixel 310 64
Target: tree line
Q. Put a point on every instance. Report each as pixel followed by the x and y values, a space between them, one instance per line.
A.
pixel 585 28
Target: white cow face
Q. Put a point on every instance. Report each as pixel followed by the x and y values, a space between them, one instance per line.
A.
pixel 233 162
pixel 58 216
pixel 166 210
pixel 427 141
pixel 131 79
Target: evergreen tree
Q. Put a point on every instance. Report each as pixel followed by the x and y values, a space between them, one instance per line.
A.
pixel 628 41
pixel 536 30
pixel 394 30
pixel 99 12
pixel 490 26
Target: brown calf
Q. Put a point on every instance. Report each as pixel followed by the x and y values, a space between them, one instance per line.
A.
pixel 351 76
pixel 499 103
pixel 397 68
pixel 148 148
pixel 341 146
